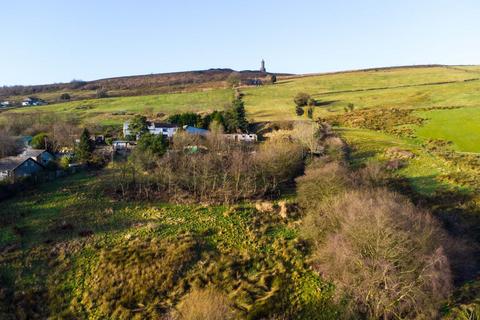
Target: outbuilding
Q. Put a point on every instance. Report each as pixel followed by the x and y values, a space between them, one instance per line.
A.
pixel 18 167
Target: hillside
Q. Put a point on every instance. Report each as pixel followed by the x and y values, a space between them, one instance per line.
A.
pixel 128 85
pixel 137 238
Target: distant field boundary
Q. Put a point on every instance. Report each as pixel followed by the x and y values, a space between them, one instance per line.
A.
pixel 397 87
pixel 456 67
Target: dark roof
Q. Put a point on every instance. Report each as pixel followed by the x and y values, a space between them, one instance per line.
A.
pixel 162 124
pixel 11 163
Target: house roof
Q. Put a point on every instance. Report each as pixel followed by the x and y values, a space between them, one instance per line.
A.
pixel 11 163
pixel 33 153
pixel 161 124
pixel 193 130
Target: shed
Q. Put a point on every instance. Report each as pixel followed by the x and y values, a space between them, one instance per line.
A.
pixel 18 167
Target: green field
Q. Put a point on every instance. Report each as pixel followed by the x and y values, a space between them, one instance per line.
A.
pixel 102 110
pixel 461 126
pixel 411 88
pixel 406 88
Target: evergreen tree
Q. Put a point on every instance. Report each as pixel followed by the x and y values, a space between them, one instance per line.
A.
pixel 235 117
pixel 138 125
pixel 156 144
pixel 85 147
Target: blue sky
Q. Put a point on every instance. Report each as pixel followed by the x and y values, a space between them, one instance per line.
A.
pixel 56 41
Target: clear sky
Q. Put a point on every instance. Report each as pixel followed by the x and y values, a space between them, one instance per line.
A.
pixel 59 40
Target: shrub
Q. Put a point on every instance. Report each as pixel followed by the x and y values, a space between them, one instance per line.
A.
pixel 273 79
pixel 233 79
pixel 40 141
pixel 205 304
pixel 308 134
pixel 386 255
pixel 155 144
pixel 299 111
pixel 301 99
pixel 65 96
pixel 310 112
pixel 64 162
pixel 101 93
pixel 9 146
pixel 220 171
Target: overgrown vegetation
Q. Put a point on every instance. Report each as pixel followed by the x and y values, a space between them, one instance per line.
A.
pixel 387 257
pixel 174 232
pixel 226 172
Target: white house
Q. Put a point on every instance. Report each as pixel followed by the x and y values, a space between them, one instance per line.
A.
pixel 166 129
pixel 33 102
pixel 245 137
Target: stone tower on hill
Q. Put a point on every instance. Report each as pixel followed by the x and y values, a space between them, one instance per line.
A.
pixel 262 67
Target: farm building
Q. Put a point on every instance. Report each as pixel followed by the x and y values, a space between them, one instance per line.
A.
pixel 242 137
pixel 166 129
pixel 41 156
pixel 31 101
pixel 196 131
pixel 18 167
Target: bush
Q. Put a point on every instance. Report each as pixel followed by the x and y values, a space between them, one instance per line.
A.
pixel 299 111
pixel 385 254
pixel 9 146
pixel 220 171
pixel 233 79
pixel 273 79
pixel 101 93
pixel 301 99
pixel 65 96
pixel 155 144
pixel 205 304
pixel 310 112
pixel 40 141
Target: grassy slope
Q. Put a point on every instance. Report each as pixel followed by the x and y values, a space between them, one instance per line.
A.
pixel 48 260
pixel 35 220
pixel 459 125
pixel 276 102
pixel 100 110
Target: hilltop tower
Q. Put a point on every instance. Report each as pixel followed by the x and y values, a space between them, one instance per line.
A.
pixel 262 67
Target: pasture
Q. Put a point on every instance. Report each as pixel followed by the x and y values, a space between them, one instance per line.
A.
pixel 116 110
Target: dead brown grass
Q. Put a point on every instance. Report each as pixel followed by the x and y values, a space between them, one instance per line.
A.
pixel 205 304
